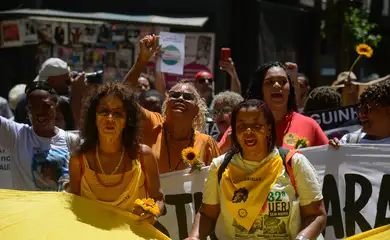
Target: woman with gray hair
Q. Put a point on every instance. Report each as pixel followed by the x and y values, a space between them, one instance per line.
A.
pixel 221 109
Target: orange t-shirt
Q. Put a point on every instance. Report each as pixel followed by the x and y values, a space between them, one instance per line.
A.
pixel 153 136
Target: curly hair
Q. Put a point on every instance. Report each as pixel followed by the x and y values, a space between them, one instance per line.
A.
pixel 230 98
pixel 255 88
pixel 131 132
pixel 236 148
pixel 199 122
pixel 378 93
pixel 322 98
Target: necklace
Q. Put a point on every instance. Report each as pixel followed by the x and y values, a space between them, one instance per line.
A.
pixel 100 165
pixel 169 152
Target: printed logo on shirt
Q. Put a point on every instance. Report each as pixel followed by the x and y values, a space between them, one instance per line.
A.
pixel 264 227
pixel 5 160
pixel 295 141
pixel 240 195
pixel 47 168
pixel 278 204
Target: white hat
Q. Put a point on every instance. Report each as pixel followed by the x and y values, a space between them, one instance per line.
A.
pixel 52 67
pixel 14 94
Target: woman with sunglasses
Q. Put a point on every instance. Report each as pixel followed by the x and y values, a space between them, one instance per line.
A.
pixel 374 116
pixel 251 192
pixel 273 85
pixel 182 120
pixel 111 166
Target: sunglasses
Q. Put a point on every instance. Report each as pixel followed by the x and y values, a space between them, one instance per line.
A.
pixel 106 112
pixel 365 109
pixel 203 80
pixel 186 96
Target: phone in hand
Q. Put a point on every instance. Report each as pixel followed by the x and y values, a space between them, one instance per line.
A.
pixel 225 54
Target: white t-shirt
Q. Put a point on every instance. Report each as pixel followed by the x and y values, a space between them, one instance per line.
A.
pixel 5 169
pixel 36 162
pixel 274 221
pixel 344 139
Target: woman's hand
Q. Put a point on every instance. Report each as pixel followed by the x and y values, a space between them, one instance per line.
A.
pixel 148 47
pixel 335 143
pixel 144 215
pixel 192 238
pixel 228 66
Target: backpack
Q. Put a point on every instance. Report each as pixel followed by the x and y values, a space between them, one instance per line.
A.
pixel 286 155
pixel 72 141
pixel 354 137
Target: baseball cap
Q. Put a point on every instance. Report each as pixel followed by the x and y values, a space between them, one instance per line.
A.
pixel 52 67
pixel 342 77
pixel 204 74
pixel 14 94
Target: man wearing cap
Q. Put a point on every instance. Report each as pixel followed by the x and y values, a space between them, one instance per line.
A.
pixel 57 73
pixel 204 85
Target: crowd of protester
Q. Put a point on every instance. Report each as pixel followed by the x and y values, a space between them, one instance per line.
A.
pixel 114 139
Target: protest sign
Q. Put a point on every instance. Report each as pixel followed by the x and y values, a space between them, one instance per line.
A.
pixel 359 173
pixel 5 169
pixel 172 55
pixel 334 118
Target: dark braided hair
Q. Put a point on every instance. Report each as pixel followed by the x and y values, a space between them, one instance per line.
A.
pixel 378 93
pixel 255 88
pixel 236 148
pixel 322 98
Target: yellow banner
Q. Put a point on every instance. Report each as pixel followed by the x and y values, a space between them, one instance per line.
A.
pixel 53 215
pixel 381 233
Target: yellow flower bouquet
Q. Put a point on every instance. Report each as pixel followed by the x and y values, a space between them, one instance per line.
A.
pixel 148 205
pixel 191 158
pixel 301 143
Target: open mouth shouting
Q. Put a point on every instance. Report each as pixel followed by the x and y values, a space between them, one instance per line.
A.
pixel 250 141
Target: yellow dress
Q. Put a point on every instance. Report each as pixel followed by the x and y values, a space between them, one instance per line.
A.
pixel 107 191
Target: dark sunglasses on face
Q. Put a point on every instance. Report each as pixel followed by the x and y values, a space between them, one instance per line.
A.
pixel 203 80
pixel 365 108
pixel 186 96
pixel 104 111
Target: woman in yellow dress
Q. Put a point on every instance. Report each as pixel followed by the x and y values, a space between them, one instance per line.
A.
pixel 111 166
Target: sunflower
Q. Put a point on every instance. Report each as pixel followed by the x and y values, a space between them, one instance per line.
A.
pixel 365 50
pixel 301 143
pixel 148 205
pixel 190 156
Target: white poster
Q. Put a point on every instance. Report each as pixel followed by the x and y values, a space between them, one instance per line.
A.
pixel 29 31
pixel 11 35
pixel 60 33
pixel 45 31
pixel 91 34
pixel 356 183
pixel 172 53
pixel 5 169
pixel 199 56
pixel 76 33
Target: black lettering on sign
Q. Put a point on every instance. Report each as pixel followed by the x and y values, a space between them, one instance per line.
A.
pixel 179 201
pixel 383 202
pixel 352 208
pixel 331 196
pixel 198 200
pixel 5 167
pixel 278 209
pixel 5 158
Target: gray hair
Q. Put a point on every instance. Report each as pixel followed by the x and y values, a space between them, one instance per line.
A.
pixel 232 99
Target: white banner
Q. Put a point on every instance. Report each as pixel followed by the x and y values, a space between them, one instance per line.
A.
pixel 360 173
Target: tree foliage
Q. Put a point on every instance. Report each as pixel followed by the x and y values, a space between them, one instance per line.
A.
pixel 360 29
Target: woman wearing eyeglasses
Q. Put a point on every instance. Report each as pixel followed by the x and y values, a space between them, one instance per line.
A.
pixel 182 120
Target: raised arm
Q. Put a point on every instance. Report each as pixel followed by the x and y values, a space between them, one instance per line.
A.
pixel 148 46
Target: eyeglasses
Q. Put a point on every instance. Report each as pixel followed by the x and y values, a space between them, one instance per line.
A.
pixel 186 96
pixel 218 112
pixel 365 108
pixel 106 112
pixel 203 80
